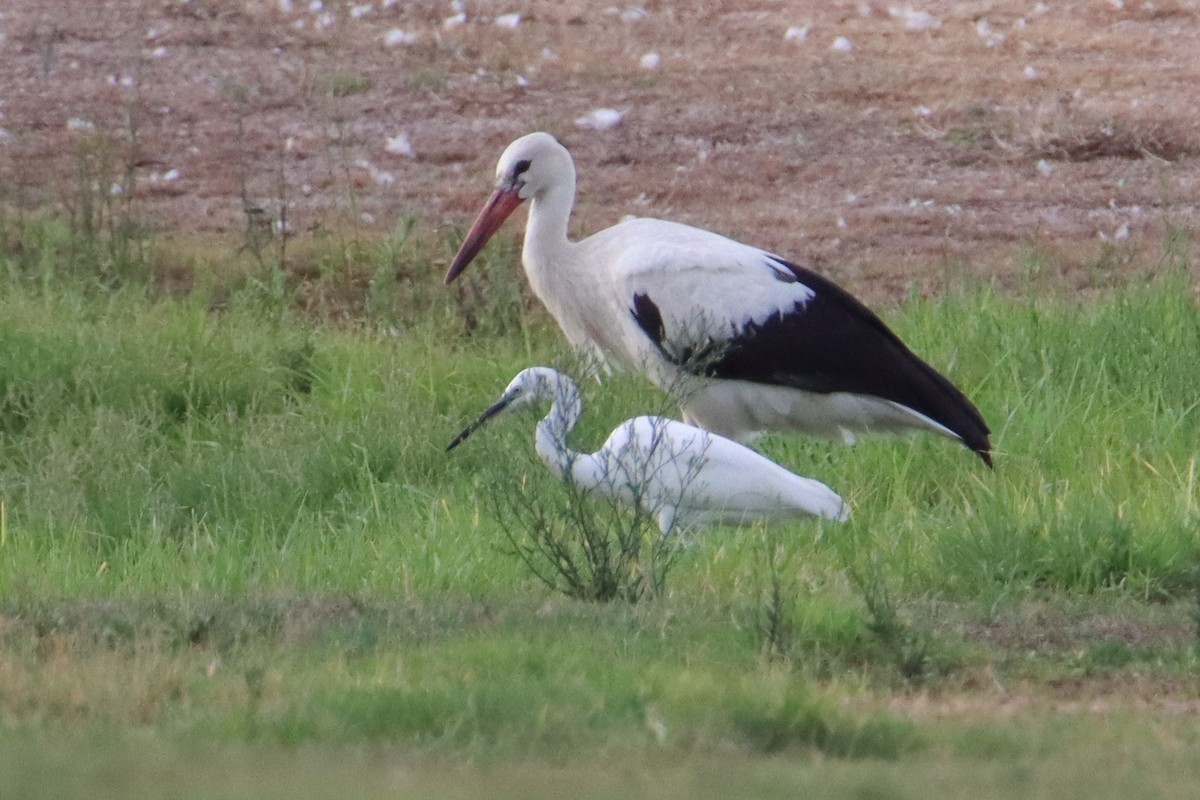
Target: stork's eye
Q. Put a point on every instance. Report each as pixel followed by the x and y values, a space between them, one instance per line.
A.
pixel 521 167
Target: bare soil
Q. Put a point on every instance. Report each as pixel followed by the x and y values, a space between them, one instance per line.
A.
pixel 1003 129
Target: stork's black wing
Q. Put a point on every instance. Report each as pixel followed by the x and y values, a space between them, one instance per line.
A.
pixel 829 343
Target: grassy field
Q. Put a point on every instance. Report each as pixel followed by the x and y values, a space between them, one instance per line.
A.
pixel 235 559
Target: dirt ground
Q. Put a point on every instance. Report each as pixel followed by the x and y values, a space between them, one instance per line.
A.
pixel 885 144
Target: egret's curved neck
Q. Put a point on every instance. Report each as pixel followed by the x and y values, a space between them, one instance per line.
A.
pixel 550 439
pixel 549 212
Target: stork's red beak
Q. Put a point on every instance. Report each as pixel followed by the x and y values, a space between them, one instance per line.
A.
pixel 498 208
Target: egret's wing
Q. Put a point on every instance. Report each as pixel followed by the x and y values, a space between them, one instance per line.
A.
pixel 667 463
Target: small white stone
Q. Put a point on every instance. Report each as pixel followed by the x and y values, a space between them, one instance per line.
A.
pixel 990 37
pixel 380 177
pixel 841 45
pixel 454 21
pixel 80 124
pixel 522 81
pixel 400 145
pixel 600 119
pixel 171 175
pixel 1043 167
pixel 923 111
pixel 796 33
pixel 159 52
pixel 649 61
pixel 1031 73
pixel 633 14
pixel 397 37
pixel 358 12
pixel 915 20
pixel 510 21
pixel 315 6
pixel 922 21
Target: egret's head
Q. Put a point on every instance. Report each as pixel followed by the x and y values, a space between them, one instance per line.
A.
pixel 530 386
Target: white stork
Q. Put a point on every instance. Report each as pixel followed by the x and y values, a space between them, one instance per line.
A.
pixel 772 345
pixel 677 473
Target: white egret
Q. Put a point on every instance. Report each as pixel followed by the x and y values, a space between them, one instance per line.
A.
pixel 677 473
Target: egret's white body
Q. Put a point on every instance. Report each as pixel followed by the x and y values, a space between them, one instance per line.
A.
pixel 677 473
pixel 786 348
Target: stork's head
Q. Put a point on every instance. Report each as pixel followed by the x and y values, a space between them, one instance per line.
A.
pixel 527 169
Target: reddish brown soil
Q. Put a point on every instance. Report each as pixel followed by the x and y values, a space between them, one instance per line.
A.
pixel 915 156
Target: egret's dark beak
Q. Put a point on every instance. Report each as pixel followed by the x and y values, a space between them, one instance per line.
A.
pixel 492 411
pixel 501 204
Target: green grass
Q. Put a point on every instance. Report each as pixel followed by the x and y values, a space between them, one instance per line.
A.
pixel 234 549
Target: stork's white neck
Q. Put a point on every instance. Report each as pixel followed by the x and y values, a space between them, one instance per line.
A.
pixel 546 242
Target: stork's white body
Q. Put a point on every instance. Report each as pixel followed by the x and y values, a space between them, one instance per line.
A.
pixel 707 286
pixel 681 475
pixel 790 350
